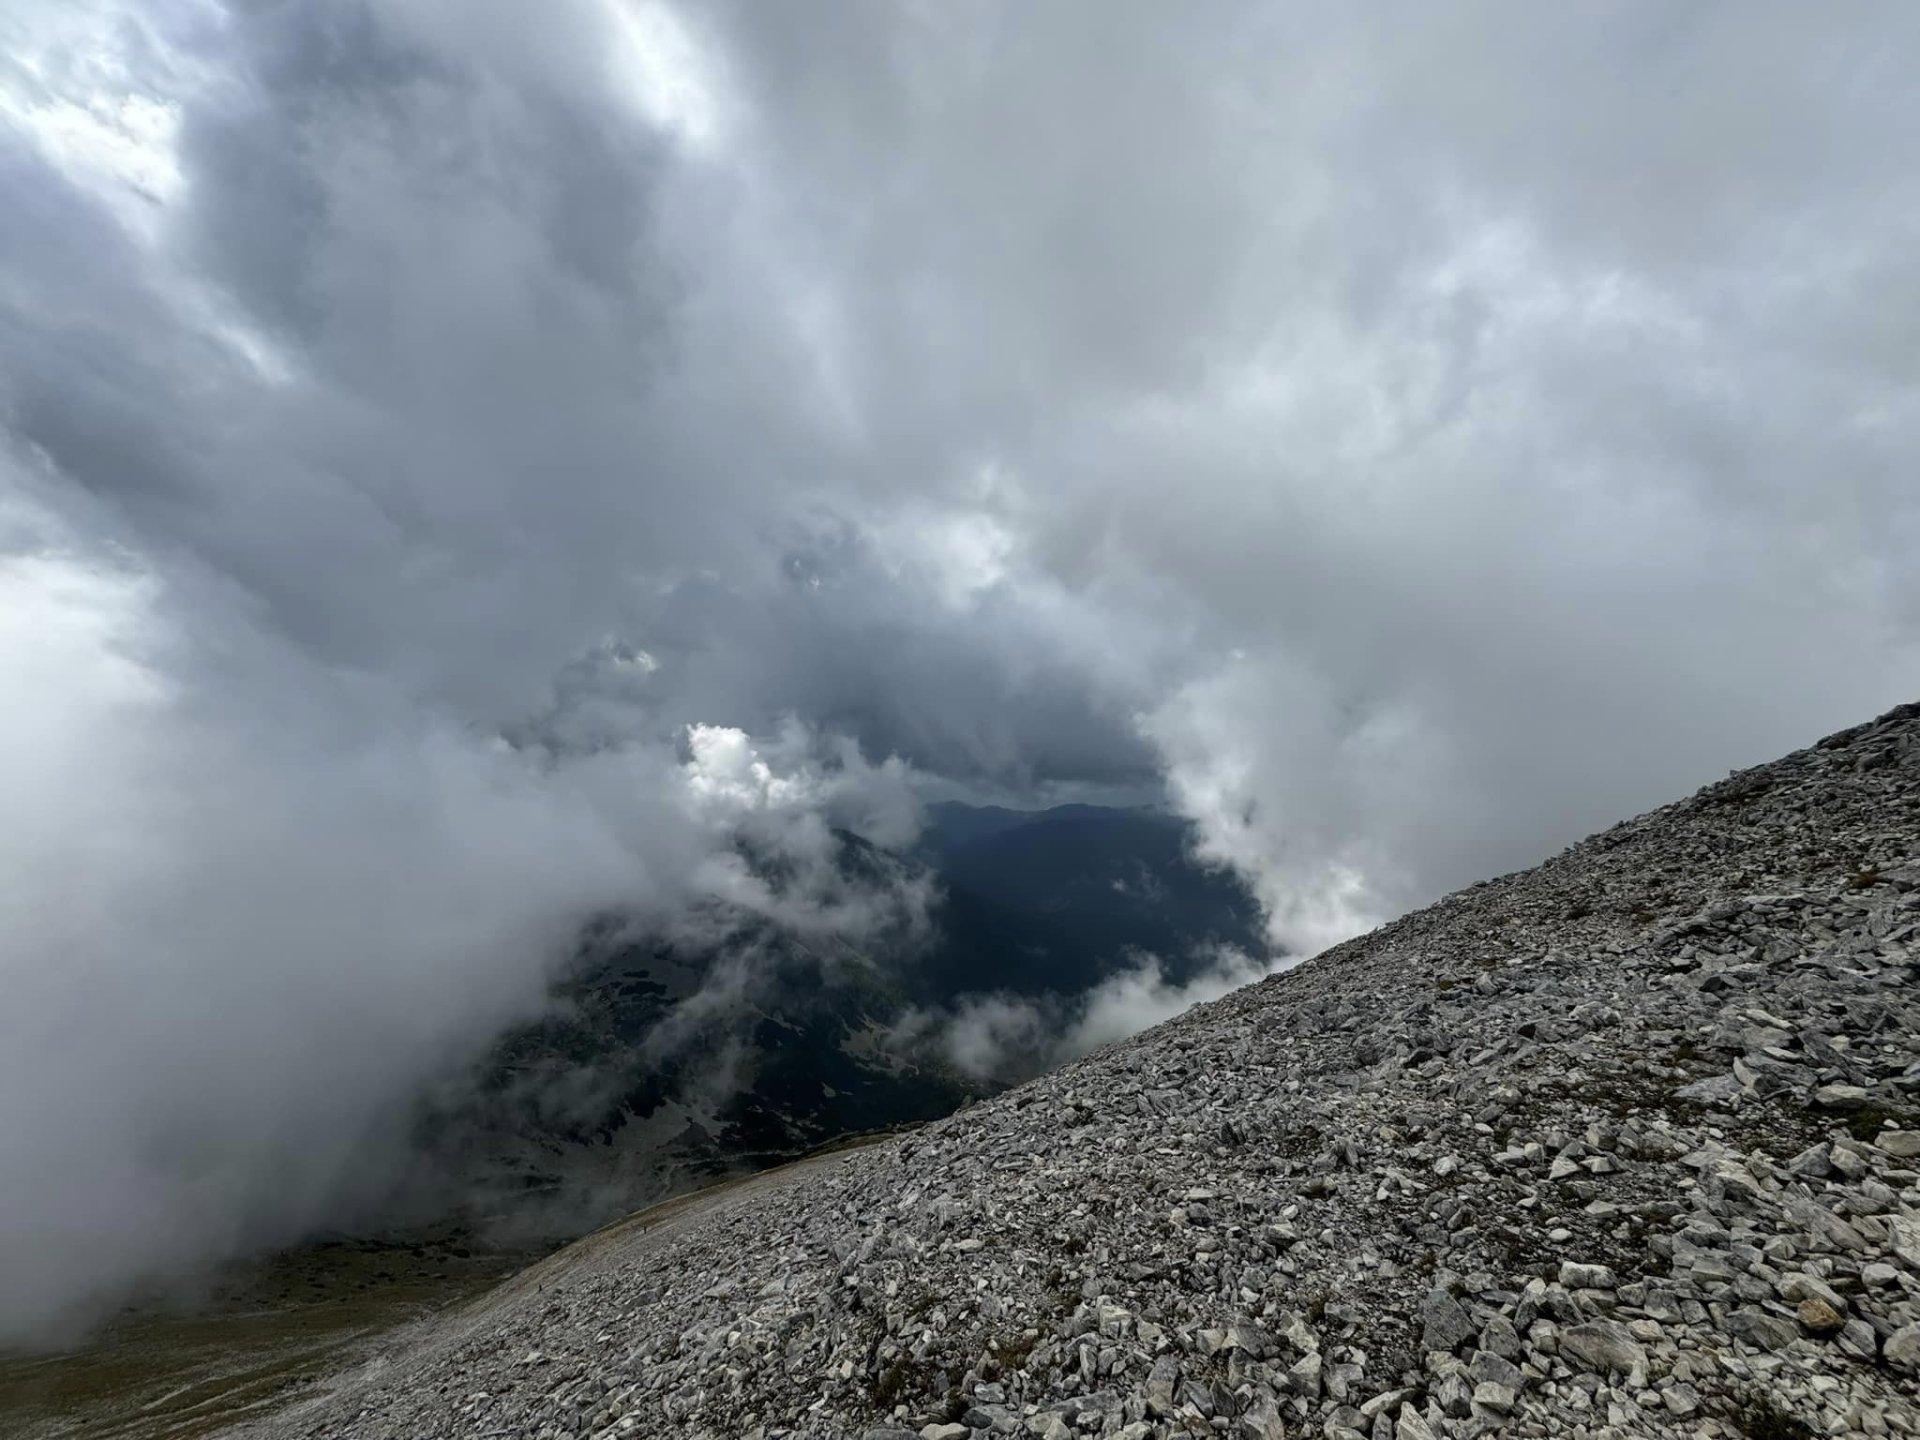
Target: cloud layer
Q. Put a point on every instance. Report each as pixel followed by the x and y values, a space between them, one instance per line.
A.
pixel 1007 1038
pixel 1411 442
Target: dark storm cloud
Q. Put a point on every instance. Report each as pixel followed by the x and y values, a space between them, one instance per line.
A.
pixel 1416 440
pixel 1513 403
pixel 1020 686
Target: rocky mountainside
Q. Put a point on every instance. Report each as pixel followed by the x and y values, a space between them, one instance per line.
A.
pixel 1623 1145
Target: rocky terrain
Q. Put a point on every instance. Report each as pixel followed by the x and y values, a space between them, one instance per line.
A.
pixel 1624 1145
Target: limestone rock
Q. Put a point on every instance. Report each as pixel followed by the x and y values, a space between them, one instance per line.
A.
pixel 1603 1346
pixel 1902 1349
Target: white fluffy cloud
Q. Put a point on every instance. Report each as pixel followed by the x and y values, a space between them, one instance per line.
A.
pixel 1507 411
pixel 231 947
pixel 1005 1038
pixel 252 906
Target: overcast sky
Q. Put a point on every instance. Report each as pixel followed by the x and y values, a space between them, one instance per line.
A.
pixel 1406 437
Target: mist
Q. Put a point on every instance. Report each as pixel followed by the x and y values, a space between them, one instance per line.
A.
pixel 460 476
pixel 1005 1038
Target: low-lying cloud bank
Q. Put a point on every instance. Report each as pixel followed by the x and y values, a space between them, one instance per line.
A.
pixel 1008 1038
pixel 457 476
pixel 252 906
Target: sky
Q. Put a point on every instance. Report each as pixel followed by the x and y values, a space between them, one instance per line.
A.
pixel 460 467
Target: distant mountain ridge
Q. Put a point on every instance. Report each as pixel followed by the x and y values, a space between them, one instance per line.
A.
pixel 1050 900
pixel 662 1065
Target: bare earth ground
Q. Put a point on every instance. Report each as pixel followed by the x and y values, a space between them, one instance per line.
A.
pixel 178 1372
pixel 291 1331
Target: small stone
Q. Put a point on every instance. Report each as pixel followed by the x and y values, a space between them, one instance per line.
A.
pixel 1304 1376
pixel 1382 1404
pixel 1500 1338
pixel 1300 1335
pixel 1603 1346
pixel 1901 1144
pixel 1412 1426
pixel 1840 1097
pixel 1879 1274
pixel 1712 1091
pixel 1681 1399
pixel 944 1432
pixel 1827 1227
pixel 1902 1350
pixel 1796 1287
pixel 1161 1382
pixel 1587 1277
pixel 1858 1340
pixel 1817 1317
pixel 1487 1366
pixel 1757 1327
pixel 1812 1161
pixel 1446 1326
pixel 1490 1395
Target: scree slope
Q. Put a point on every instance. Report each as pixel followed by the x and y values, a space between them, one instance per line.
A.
pixel 1623 1145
